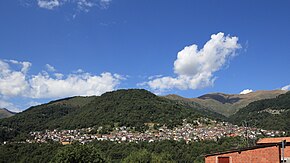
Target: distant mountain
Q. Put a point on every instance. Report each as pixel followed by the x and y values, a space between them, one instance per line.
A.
pixel 4 113
pixel 267 114
pixel 133 107
pixel 228 104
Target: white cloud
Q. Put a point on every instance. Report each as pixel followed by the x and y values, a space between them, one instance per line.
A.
pixel 195 68
pixel 24 65
pixel 50 68
pixel 246 91
pixel 79 71
pixel 85 5
pixel 80 5
pixel 33 103
pixel 43 86
pixel 58 75
pixel 8 105
pixel 13 83
pixel 48 4
pixel 105 3
pixel 154 77
pixel 16 83
pixel 286 88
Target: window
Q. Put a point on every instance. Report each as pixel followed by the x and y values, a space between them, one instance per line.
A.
pixel 223 159
pixel 286 160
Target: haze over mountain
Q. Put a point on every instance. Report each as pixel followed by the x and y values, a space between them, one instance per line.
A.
pixel 228 104
pixel 4 113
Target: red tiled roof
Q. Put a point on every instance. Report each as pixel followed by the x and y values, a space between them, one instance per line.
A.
pixel 273 140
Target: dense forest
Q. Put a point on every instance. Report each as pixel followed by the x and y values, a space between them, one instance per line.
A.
pixel 131 108
pixel 106 151
pixel 270 114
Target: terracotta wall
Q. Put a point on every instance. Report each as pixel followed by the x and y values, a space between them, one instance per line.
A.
pixel 260 155
pixel 287 151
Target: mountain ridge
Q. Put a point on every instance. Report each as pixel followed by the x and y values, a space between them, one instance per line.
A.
pixel 5 113
pixel 270 114
pixel 228 104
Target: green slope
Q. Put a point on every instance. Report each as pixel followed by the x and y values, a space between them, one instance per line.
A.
pixel 133 107
pixel 267 114
pixel 123 107
pixel 38 117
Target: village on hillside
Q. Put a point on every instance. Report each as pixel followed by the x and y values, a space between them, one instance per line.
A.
pixel 200 129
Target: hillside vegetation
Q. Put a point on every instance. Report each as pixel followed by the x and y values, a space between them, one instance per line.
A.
pixel 267 114
pixel 132 108
pixel 163 151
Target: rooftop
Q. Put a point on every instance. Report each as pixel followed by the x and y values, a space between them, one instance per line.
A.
pixel 241 149
pixel 273 140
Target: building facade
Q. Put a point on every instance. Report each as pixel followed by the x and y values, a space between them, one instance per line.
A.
pixel 268 150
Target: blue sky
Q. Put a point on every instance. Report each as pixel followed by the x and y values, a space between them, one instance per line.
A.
pixel 51 49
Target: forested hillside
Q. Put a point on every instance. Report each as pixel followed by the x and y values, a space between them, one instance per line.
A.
pixel 267 114
pixel 106 151
pixel 118 108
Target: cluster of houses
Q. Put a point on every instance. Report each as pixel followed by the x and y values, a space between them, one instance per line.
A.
pixel 200 129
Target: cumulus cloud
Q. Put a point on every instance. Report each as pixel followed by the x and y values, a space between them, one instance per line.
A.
pixel 286 88
pixel 44 86
pixel 246 91
pixel 16 83
pixel 13 83
pixel 194 68
pixel 48 4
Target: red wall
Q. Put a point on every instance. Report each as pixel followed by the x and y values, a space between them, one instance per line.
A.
pixel 259 155
pixel 287 151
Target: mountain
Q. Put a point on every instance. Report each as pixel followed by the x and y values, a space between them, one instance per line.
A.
pixel 4 113
pixel 272 114
pixel 228 104
pixel 133 107
pixel 38 117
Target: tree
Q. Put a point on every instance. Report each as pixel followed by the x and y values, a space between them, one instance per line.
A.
pixel 78 154
pixel 143 156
